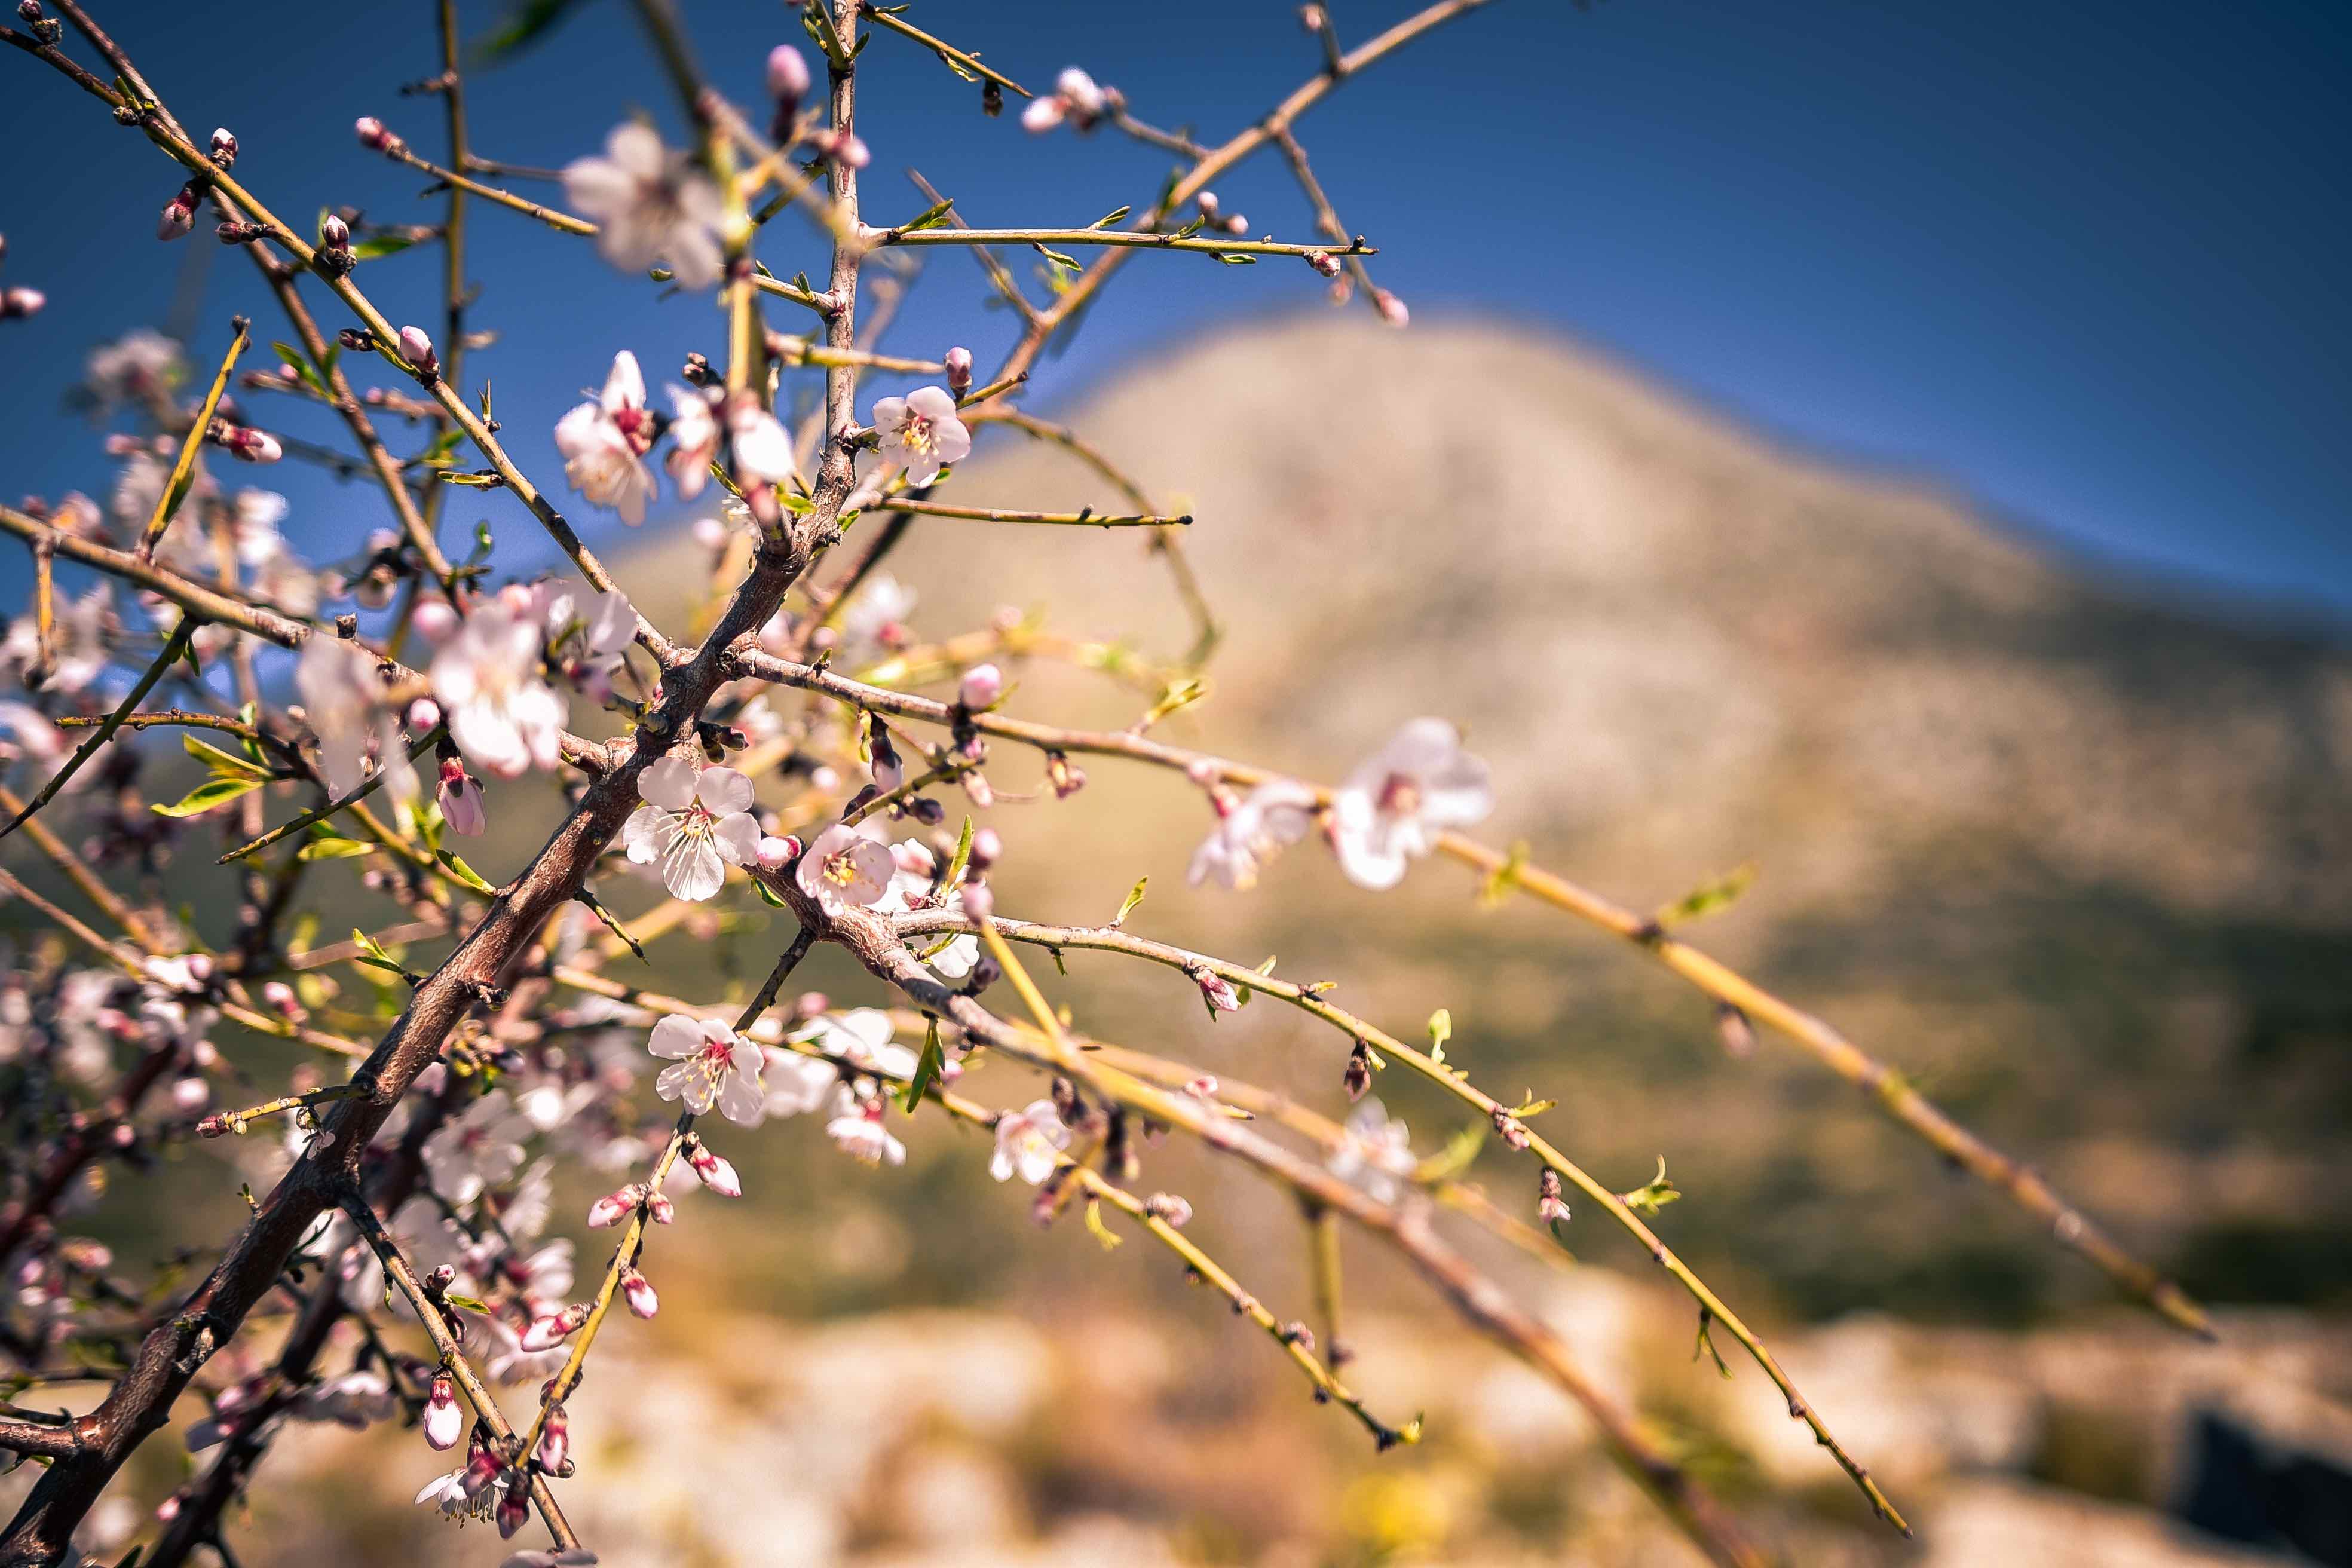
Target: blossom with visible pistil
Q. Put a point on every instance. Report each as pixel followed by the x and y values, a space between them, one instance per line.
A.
pixel 710 1065
pixel 604 441
pixel 922 431
pixel 1399 800
pixel 650 204
pixel 504 717
pixel 693 824
pixel 1029 1143
pixel 844 868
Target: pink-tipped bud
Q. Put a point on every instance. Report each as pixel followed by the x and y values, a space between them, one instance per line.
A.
pixel 462 806
pixel 514 1511
pixel 179 214
pixel 986 847
pixel 555 1442
pixel 1551 1207
pixel 1324 262
pixel 374 137
pixel 788 76
pixel 416 347
pixel 252 446
pixel 443 1421
pixel 283 1001
pixel 423 714
pixel 776 853
pixel 958 363
pixel 357 340
pixel 1217 992
pixel 718 1174
pixel 224 148
pixel 482 1468
pixel 638 1291
pixel 843 148
pixel 30 10
pixel 983 685
pixel 979 901
pixel 19 302
pixel 1390 308
pixel 663 1211
pixel 546 1333
pixel 613 1207
pixel 1169 1209
pixel 335 233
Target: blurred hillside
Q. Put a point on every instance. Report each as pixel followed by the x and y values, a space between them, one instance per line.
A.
pixel 2070 856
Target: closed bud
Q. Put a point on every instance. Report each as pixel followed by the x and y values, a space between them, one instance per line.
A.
pixel 335 233
pixel 554 1454
pixel 373 136
pixel 1358 1076
pixel 1731 1026
pixel 1324 262
pixel 788 76
pixel 224 148
pixel 1551 1207
pixel 514 1511
pixel 982 684
pixel 958 363
pixel 1510 1130
pixel 1066 777
pixel 1390 308
pixel 927 811
pixel 238 233
pixel 179 214
pixel 30 10
pixel 443 1421
pixel 977 789
pixel 613 1207
pixel 979 901
pixel 546 1333
pixel 16 303
pixel 357 340
pixel 638 1291
pixel 663 1211
pixel 776 853
pixel 1169 1209
pixel 716 1172
pixel 416 347
pixel 986 846
pixel 991 100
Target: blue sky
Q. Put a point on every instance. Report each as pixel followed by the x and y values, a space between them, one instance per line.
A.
pixel 2084 263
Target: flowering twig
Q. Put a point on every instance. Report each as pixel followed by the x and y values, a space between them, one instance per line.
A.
pixel 183 470
pixel 175 646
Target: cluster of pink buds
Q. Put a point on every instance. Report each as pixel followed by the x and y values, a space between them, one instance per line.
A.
pixel 613 1207
pixel 1213 210
pixel 375 138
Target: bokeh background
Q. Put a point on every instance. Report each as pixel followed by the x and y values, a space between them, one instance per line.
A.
pixel 1901 448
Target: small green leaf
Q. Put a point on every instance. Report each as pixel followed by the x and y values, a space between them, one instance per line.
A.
pixel 379 245
pixel 927 1068
pixel 374 954
pixel 329 847
pixel 1111 217
pixel 1708 897
pixel 213 792
pixel 962 856
pixel 1654 1194
pixel 1134 896
pixel 223 764
pixel 1440 1029
pixel 1102 1233
pixel 1505 877
pixel 932 216
pixel 301 364
pixel 1057 257
pixel 523 27
pixel 466 1303
pixel 458 868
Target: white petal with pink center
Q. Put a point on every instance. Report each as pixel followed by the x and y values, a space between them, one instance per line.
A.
pixel 694 825
pixel 846 868
pixel 1029 1143
pixel 503 716
pixel 710 1065
pixel 921 433
pixel 1398 801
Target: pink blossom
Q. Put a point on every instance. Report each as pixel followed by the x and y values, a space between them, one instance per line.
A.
pixel 921 432
pixel 1398 801
pixel 604 441
pixel 844 868
pixel 710 1065
pixel 1029 1143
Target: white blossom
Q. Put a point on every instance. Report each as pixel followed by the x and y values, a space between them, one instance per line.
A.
pixel 1374 1152
pixel 480 1147
pixel 604 441
pixel 921 432
pixel 1029 1143
pixel 856 1130
pixel 797 1084
pixel 864 1037
pixel 344 699
pixel 710 1065
pixel 694 440
pixel 1399 800
pixel 1075 98
pixel 650 204
pixel 844 868
pixel 504 717
pixel 693 825
pixel 1276 814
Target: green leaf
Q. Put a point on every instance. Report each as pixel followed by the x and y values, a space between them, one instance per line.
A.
pixel 962 856
pixel 932 216
pixel 927 1068
pixel 301 364
pixel 458 868
pixel 329 847
pixel 466 1303
pixel 1440 1029
pixel 1102 1233
pixel 1236 258
pixel 1460 1151
pixel 1654 1194
pixel 1057 257
pixel 223 764
pixel 523 27
pixel 374 955
pixel 768 895
pixel 213 792
pixel 1708 897
pixel 1111 217
pixel 1134 896
pixel 377 244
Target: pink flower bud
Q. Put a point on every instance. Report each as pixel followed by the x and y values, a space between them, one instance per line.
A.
pixel 16 302
pixel 190 1093
pixel 443 1421
pixel 555 1442
pixel 1217 992
pixel 514 1511
pixel 224 148
pixel 986 846
pixel 983 685
pixel 717 1173
pixel 1390 308
pixel 252 446
pixel 979 901
pixel 613 1207
pixel 776 853
pixel 335 233
pixel 662 1210
pixel 1324 262
pixel 1169 1209
pixel 461 800
pixel 546 1333
pixel 434 620
pixel 416 348
pixel 958 363
pixel 788 75
pixel 638 1291
pixel 373 136
pixel 423 714
pixel 179 214
pixel 282 1000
